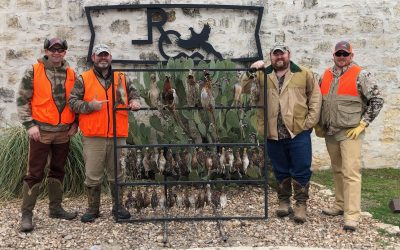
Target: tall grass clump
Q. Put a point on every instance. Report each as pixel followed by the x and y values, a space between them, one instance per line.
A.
pixel 14 159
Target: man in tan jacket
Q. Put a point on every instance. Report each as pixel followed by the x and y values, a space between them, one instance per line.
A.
pixel 294 103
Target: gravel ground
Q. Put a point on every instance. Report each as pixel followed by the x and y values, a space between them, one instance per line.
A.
pixel 318 232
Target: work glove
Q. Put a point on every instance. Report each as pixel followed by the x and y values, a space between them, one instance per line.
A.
pixel 353 133
pixel 319 131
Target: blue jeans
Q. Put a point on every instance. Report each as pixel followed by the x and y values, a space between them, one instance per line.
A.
pixel 291 157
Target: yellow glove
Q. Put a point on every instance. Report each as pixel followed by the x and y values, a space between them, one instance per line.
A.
pixel 319 131
pixel 353 133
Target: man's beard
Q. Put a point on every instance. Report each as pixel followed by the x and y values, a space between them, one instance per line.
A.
pixel 280 65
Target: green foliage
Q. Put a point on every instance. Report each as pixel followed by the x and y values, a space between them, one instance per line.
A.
pixel 379 187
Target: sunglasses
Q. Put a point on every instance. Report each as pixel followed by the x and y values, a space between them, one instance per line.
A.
pixel 54 50
pixel 342 53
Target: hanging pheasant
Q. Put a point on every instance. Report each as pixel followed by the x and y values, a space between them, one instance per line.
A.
pixel 120 92
pixel 208 101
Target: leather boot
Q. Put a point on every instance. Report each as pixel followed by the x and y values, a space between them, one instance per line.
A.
pixel 284 190
pixel 301 197
pixel 92 212
pixel 55 198
pixel 118 209
pixel 29 197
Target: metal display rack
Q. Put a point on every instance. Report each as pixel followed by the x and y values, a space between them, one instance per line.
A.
pixel 165 218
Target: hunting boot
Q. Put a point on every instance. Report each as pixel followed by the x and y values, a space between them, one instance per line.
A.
pixel 29 197
pixel 93 211
pixel 284 190
pixel 118 209
pixel 301 197
pixel 55 198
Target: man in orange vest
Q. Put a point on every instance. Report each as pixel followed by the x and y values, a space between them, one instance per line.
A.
pixel 91 98
pixel 351 100
pixel 44 111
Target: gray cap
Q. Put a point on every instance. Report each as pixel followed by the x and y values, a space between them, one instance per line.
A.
pixel 279 46
pixel 100 48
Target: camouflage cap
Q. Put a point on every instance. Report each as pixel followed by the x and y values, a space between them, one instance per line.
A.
pixel 100 48
pixel 50 43
pixel 279 46
pixel 343 45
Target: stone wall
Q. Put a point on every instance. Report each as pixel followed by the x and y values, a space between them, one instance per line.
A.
pixel 309 27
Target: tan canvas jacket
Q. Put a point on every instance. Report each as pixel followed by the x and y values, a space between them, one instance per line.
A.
pixel 300 100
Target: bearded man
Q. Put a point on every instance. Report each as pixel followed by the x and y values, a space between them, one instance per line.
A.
pixel 293 105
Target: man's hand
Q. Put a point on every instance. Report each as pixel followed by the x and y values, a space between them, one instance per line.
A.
pixel 134 105
pixel 97 104
pixel 258 65
pixel 319 131
pixel 353 133
pixel 34 133
pixel 73 129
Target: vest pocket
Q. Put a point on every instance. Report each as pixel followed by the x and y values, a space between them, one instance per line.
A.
pixel 349 114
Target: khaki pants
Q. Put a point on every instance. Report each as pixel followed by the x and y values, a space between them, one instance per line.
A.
pixel 346 165
pixel 98 153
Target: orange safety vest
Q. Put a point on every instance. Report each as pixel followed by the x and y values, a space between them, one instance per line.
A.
pixel 347 82
pixel 100 123
pixel 43 107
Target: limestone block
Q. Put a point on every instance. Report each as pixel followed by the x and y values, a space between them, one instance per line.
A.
pixel 324 46
pixel 290 20
pixel 28 5
pixel 396 9
pixel 310 62
pixel 326 15
pixel 5 4
pixel 13 22
pixel 334 29
pixel 120 26
pixel 310 3
pixel 75 10
pixel 25 54
pixel 53 4
pixel 6 94
pixel 370 24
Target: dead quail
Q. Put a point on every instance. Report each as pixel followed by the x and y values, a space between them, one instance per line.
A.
pixel 146 198
pixel 161 162
pixel 138 200
pixel 223 199
pixel 245 161
pixel 154 200
pixel 186 200
pixel 170 199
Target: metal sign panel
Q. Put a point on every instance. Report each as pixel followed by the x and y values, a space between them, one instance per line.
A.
pixel 197 31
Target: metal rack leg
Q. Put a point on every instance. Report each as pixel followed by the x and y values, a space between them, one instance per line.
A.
pixel 220 226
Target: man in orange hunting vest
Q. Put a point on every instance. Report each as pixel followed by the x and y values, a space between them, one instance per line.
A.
pixel 91 98
pixel 351 100
pixel 44 112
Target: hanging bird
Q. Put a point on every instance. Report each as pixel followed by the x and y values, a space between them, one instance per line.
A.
pixel 215 199
pixel 238 163
pixel 208 101
pixel 200 200
pixel 237 93
pixel 222 161
pixel 154 159
pixel 170 198
pixel 154 200
pixel 192 90
pixel 186 199
pixel 146 162
pixel 154 92
pixel 229 159
pixel 139 200
pixel 192 198
pixel 255 90
pixel 120 98
pixel 161 162
pixel 208 194
pixel 245 161
pixel 179 199
pixel 170 101
pixel 146 198
pixel 162 201
pixel 201 156
pixel 223 199
pixel 209 163
pixel 194 164
pixel 138 164
pixel 129 200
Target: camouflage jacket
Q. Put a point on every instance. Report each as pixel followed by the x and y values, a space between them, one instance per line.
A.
pixel 82 107
pixel 56 76
pixel 370 94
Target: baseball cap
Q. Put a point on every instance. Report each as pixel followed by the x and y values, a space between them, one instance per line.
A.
pixel 58 41
pixel 100 48
pixel 279 46
pixel 343 45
